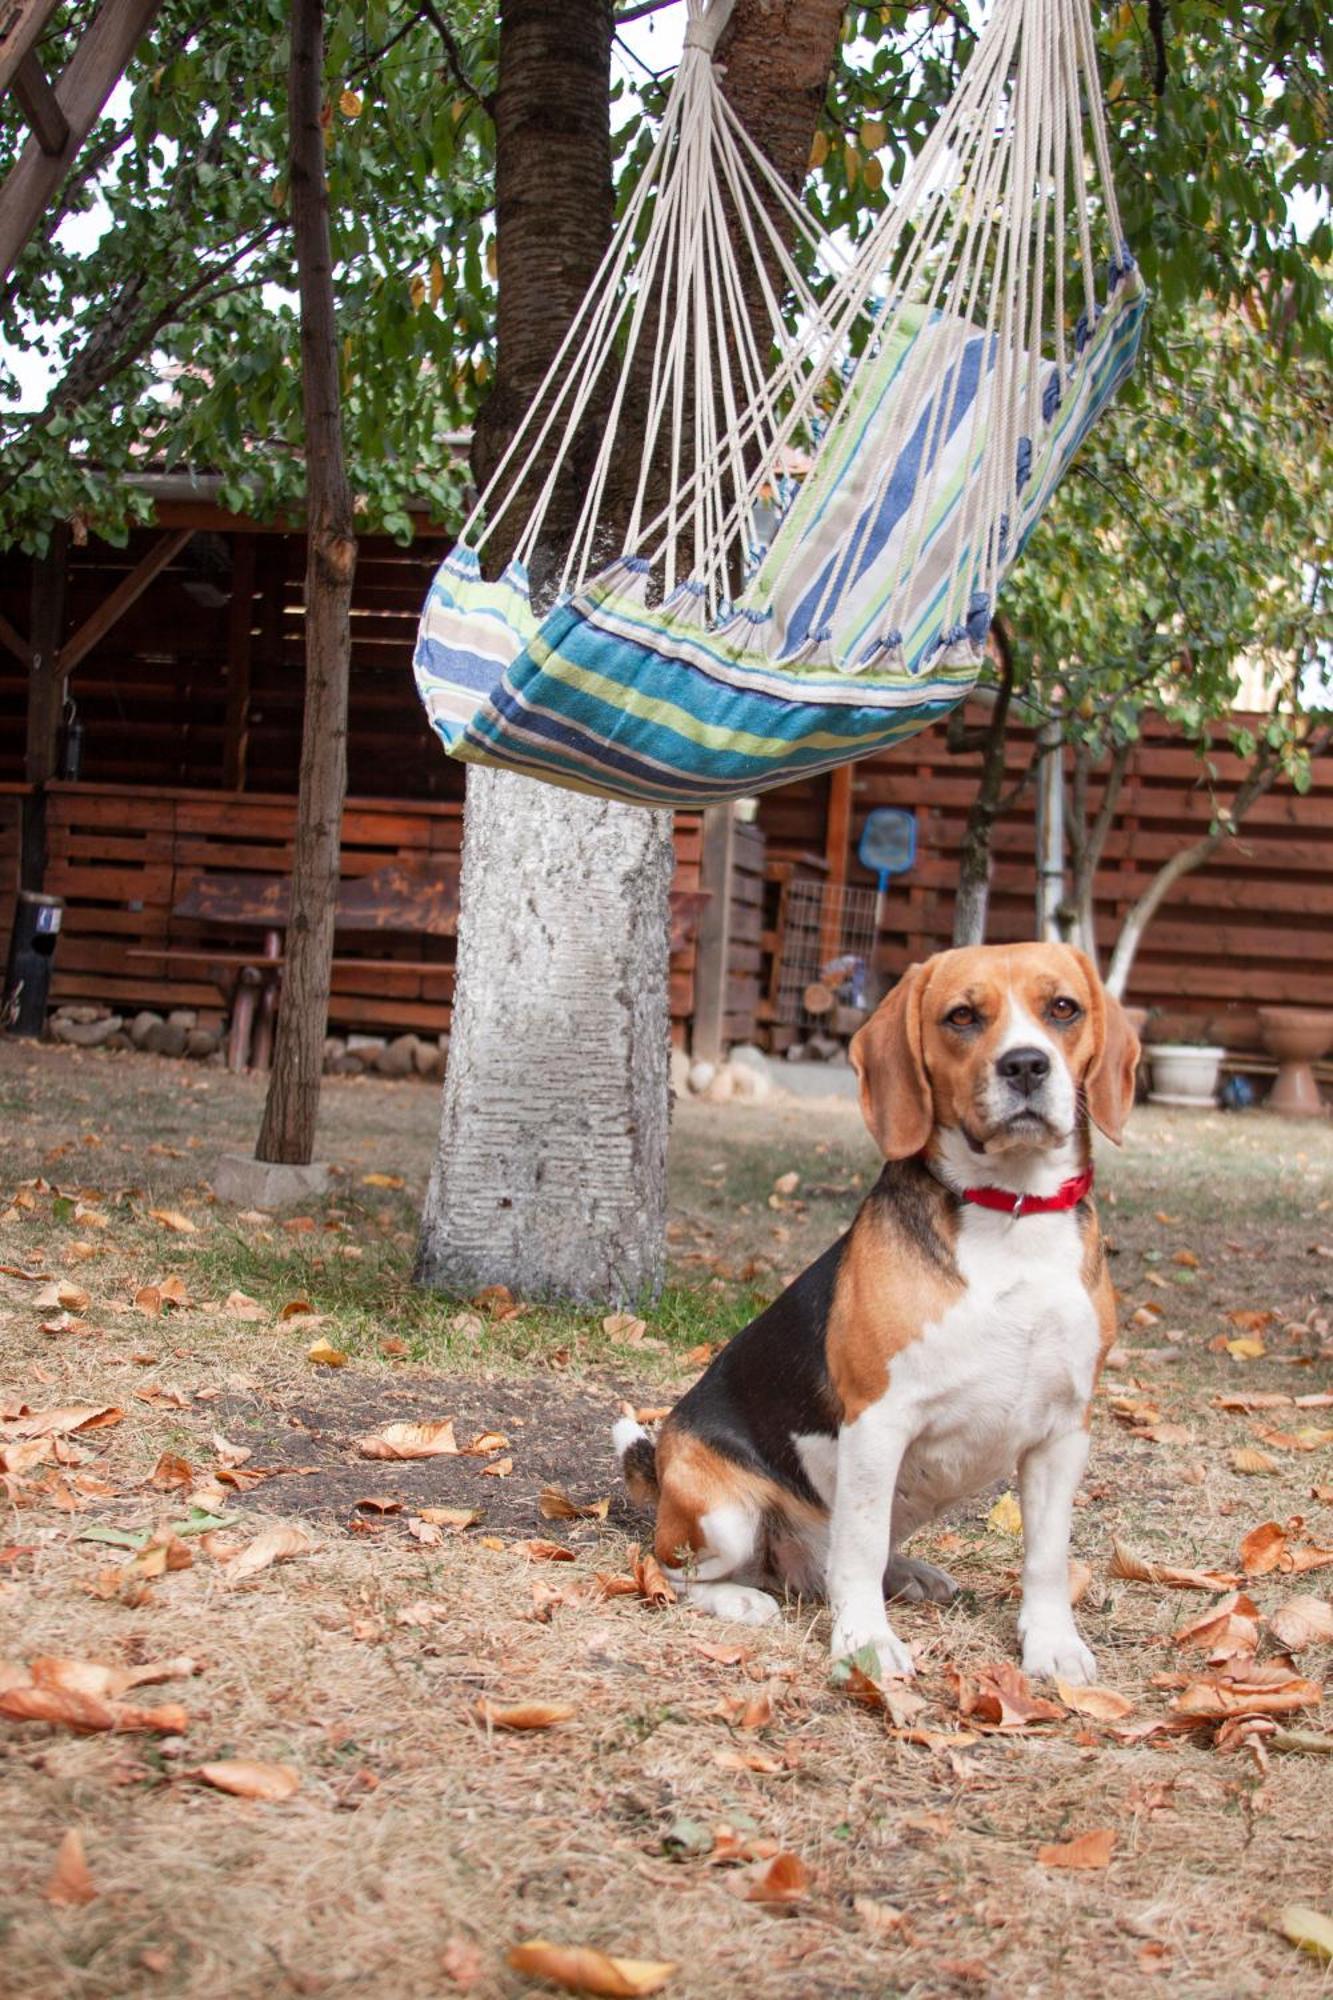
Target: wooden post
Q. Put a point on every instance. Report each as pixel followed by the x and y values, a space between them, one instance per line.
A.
pixel 240 619
pixel 287 1134
pixel 46 691
pixel 713 954
pixel 837 852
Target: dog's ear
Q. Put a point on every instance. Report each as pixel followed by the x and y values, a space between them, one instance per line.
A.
pixel 1108 1082
pixel 887 1057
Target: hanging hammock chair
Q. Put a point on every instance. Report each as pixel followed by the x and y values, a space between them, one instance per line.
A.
pixel 932 387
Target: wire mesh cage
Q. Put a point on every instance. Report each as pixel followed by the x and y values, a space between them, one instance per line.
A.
pixel 827 978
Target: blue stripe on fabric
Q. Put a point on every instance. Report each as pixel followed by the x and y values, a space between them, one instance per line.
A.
pixel 897 497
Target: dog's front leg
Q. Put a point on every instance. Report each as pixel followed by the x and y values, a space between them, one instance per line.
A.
pixel 1048 1478
pixel 870 1451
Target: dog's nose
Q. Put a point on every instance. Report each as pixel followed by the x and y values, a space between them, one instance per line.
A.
pixel 1025 1069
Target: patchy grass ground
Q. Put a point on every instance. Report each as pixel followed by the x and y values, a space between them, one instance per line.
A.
pixel 422 1842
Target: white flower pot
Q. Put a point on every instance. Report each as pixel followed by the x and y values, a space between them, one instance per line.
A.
pixel 1184 1073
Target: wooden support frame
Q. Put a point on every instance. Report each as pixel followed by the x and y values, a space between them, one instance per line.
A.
pixel 79 94
pixel 126 593
pixel 20 32
pixel 41 107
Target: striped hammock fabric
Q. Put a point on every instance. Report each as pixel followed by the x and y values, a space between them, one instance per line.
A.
pixel 865 610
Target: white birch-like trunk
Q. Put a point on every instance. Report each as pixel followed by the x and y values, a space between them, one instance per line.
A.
pixel 551 1171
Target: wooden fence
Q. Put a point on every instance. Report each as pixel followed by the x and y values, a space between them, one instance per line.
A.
pixel 1253 926
pixel 125 857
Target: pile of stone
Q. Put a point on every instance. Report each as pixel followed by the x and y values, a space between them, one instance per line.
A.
pixel 742 1079
pixel 178 1033
pixel 380 1055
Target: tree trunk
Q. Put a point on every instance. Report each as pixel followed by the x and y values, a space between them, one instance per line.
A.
pixel 972 899
pixel 1264 774
pixel 1087 844
pixel 551 1170
pixel 292 1106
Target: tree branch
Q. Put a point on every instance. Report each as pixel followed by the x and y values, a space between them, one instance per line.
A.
pixel 453 56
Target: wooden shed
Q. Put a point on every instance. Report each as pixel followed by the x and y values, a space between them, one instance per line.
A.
pixel 176 760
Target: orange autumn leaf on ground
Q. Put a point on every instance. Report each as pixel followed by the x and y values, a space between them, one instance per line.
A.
pixel 1271 1547
pixel 171 1218
pixel 523 1714
pixel 1101 1703
pixel 274 1545
pixel 779 1883
pixel 244 1778
pixel 651 1585
pixel 70 1882
pixel 1230 1628
pixel 1302 1621
pixel 1247 1688
pixel 1002 1697
pixel 1137 1569
pixel 555 1505
pixel 1086 1850
pixel 62 1422
pixel 579 1969
pixel 88 1713
pixel 434 1440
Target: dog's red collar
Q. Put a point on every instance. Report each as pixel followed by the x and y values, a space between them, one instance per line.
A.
pixel 1068 1195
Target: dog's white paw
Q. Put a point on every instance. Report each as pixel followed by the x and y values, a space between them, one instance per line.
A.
pixel 1057 1653
pixel 912 1581
pixel 875 1648
pixel 737 1601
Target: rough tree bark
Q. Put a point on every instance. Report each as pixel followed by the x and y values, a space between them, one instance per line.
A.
pixel 287 1132
pixel 1087 843
pixel 551 1171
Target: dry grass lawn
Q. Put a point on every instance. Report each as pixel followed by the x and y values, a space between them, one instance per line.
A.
pixel 422 1841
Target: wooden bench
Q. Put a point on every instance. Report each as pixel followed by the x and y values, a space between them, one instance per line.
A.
pixel 405 897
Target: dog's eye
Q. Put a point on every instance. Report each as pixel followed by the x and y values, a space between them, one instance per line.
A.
pixel 1062 1008
pixel 961 1016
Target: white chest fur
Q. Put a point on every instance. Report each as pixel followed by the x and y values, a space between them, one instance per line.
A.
pixel 1009 1364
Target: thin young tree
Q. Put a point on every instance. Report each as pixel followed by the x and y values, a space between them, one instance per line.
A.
pixel 287 1132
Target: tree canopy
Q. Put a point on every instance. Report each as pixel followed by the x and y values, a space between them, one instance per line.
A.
pixel 176 334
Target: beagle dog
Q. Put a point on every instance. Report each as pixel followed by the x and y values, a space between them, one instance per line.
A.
pixel 954 1333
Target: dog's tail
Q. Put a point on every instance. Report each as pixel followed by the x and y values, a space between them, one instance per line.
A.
pixel 638 1460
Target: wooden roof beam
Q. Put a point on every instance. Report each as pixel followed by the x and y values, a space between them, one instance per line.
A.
pixel 82 89
pixel 127 592
pixel 41 107
pixel 21 25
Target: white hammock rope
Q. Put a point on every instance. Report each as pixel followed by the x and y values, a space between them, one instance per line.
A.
pixel 965 287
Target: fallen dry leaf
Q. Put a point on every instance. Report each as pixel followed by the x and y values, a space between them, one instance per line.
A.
pixel 550 1552
pixel 1103 1704
pixel 624 1329
pixel 1247 1348
pixel 171 1472
pixel 579 1969
pixel 499 1468
pixel 70 1882
pixel 485 1441
pixel 881 1919
pixel 650 1583
pixel 1137 1569
pixel 1309 1930
pixel 764 1763
pixel 244 1778
pixel 556 1505
pixel 451 1517
pixel 1001 1696
pixel 1247 1688
pixel 239 1305
pixel 1086 1850
pixel 383 1180
pixel 1263 1549
pixel 434 1440
pixel 62 1422
pixel 273 1546
pixel 87 1713
pixel 171 1218
pixel 523 1714
pixel 1249 1461
pixel 1006 1516
pixel 325 1355
pixel 1228 1631
pixel 779 1883
pixel 1302 1621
